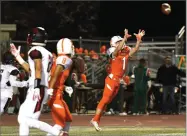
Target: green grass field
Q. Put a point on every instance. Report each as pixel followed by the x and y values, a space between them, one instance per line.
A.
pixel 107 131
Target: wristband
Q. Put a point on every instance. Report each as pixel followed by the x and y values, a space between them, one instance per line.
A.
pixel 37 83
pixel 50 91
pixel 20 59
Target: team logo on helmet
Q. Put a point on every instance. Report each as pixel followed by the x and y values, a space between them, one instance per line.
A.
pixel 37 37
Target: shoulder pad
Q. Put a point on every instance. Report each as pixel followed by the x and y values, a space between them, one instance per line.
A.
pixel 35 54
pixel 64 61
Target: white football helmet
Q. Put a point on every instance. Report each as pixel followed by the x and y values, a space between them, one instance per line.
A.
pixel 65 46
pixel 114 40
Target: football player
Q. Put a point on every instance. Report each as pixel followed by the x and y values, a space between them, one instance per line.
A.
pixel 59 109
pixel 8 79
pixel 38 66
pixel 119 54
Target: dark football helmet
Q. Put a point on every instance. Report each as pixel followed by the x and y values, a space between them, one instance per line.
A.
pixel 37 37
pixel 8 58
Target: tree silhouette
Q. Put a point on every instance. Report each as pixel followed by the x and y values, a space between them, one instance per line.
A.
pixel 60 19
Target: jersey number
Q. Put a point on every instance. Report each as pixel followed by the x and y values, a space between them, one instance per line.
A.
pixel 50 64
pixel 1 71
pixel 124 59
pixel 64 61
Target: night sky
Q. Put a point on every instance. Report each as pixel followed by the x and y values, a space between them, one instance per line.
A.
pixel 115 16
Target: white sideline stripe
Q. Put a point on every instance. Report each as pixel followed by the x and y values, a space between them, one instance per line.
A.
pixel 175 134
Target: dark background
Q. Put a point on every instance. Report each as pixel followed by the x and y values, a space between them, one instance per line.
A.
pixel 142 14
pixel 95 19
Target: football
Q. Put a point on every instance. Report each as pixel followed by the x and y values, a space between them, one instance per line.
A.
pixel 166 8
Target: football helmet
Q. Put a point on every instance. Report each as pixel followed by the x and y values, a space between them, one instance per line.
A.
pixel 114 40
pixel 65 46
pixel 37 37
pixel 8 58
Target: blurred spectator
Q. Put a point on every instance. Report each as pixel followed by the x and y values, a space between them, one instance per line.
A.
pixel 91 53
pixel 81 50
pixel 86 52
pixel 77 76
pixel 86 57
pixel 103 49
pixel 142 77
pixel 95 56
pixel 167 76
pixel 76 50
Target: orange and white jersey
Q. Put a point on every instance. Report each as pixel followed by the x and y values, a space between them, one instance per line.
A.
pixel 119 62
pixel 66 62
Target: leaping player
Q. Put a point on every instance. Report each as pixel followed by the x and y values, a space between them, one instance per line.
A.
pixel 119 53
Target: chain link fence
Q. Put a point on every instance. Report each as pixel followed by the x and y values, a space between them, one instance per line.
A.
pixel 153 52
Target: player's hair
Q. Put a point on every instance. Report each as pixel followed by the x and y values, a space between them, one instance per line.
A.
pixel 142 61
pixel 168 57
pixel 7 58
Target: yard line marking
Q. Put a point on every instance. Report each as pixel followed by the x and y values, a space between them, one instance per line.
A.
pixel 154 121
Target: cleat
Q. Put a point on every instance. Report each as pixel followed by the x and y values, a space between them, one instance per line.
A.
pixel 61 133
pixel 95 124
pixel 122 114
pixel 65 133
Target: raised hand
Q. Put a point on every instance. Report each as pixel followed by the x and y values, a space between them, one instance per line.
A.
pixel 140 34
pixel 126 35
pixel 15 52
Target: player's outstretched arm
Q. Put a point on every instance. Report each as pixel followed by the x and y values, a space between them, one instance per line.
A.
pixel 58 70
pixel 13 80
pixel 139 36
pixel 118 48
pixel 36 56
pixel 16 53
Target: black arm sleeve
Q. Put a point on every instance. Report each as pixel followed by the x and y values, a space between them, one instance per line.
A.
pixel 158 78
pixel 35 54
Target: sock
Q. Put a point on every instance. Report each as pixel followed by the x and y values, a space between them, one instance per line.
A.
pixel 67 126
pixel 23 129
pixel 58 127
pixel 99 111
pixel 97 116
